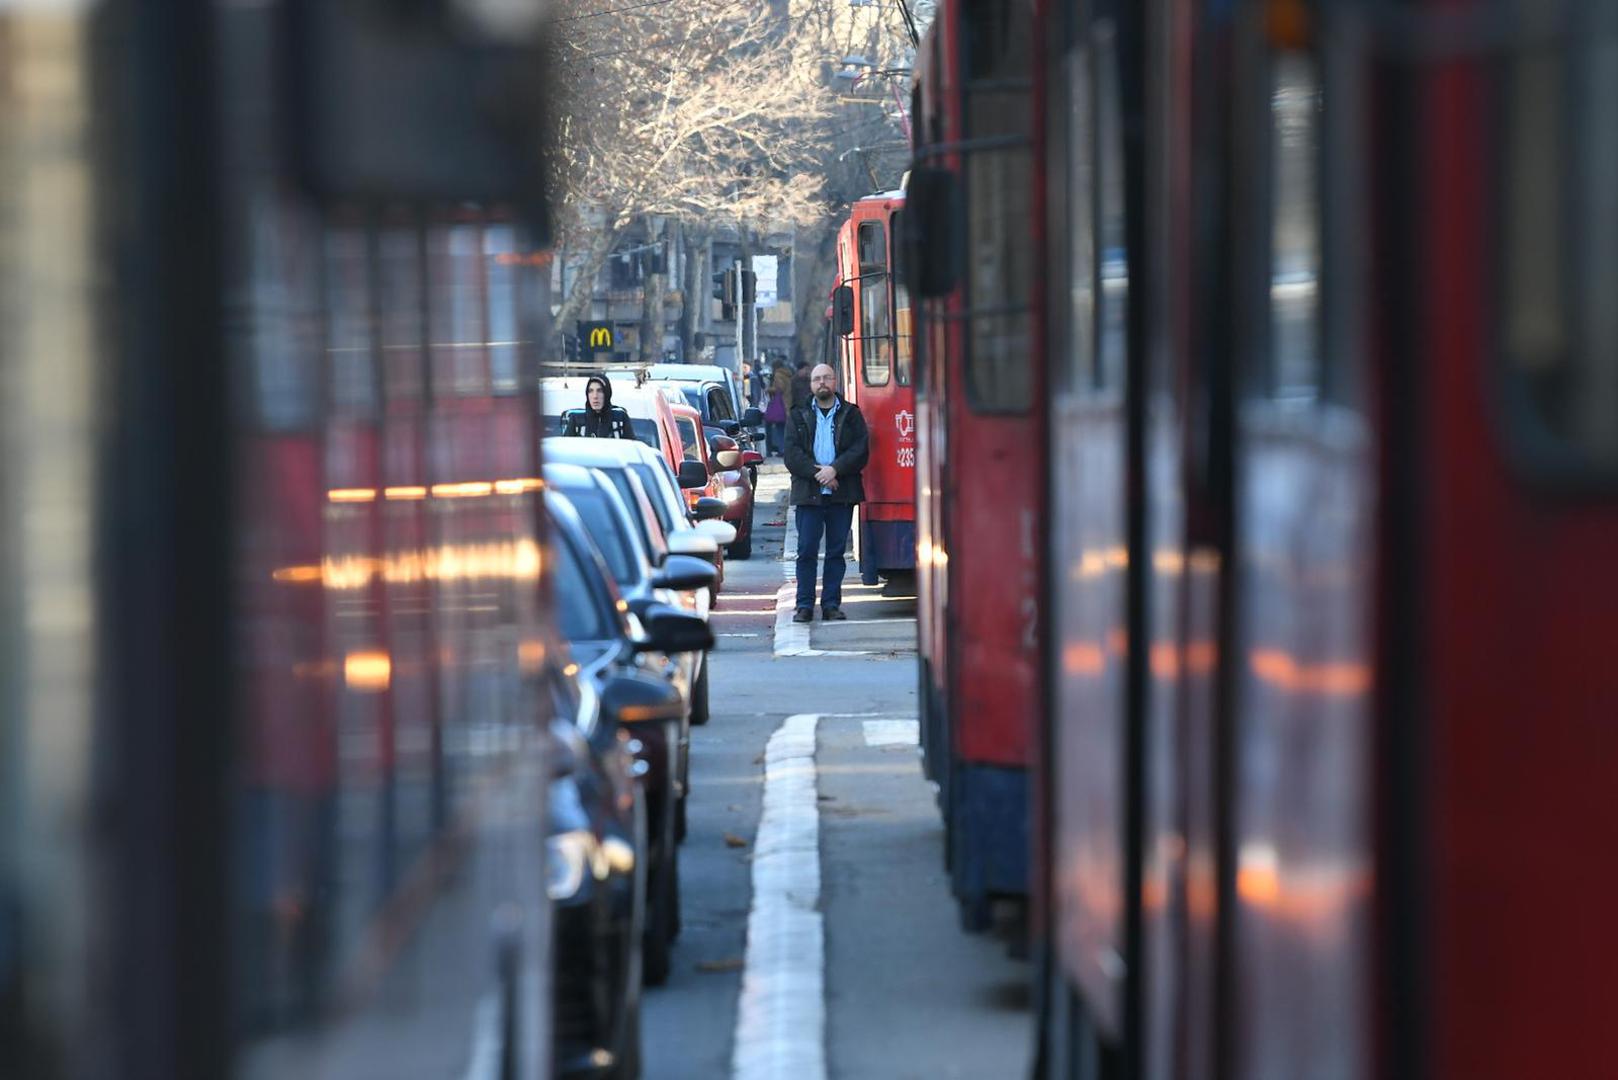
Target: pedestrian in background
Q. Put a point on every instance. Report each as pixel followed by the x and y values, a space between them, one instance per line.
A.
pixel 827 448
pixel 778 400
pixel 800 387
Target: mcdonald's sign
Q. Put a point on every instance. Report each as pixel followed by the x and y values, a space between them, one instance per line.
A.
pixel 595 337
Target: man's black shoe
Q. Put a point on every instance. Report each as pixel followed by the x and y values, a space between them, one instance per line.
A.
pixel 804 614
pixel 832 611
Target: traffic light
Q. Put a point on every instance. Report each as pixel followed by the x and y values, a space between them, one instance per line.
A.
pixel 724 290
pixel 749 288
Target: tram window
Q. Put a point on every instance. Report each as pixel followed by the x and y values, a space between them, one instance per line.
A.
pixel 503 316
pixel 348 322
pixel 1560 326
pixel 876 343
pixel 402 327
pixel 280 305
pixel 903 327
pixel 999 262
pixel 1111 230
pixel 1295 114
pixel 1075 357
pixel 455 314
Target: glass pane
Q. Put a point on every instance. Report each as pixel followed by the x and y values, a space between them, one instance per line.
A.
pixel 903 342
pixel 348 322
pixel 1295 107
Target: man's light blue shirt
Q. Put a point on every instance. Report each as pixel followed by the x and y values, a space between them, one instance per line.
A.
pixel 826 437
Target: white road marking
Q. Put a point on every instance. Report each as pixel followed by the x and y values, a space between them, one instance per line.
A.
pixel 741 635
pixel 781 1016
pixel 892 732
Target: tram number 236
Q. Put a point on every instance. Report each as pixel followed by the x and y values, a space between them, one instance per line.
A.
pixel 907 457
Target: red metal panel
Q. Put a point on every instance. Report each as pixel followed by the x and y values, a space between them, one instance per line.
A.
pixel 1522 617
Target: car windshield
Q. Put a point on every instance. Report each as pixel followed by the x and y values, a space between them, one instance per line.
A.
pixel 620 481
pixel 583 618
pixel 660 504
pixel 646 432
pixel 693 396
pixel 688 435
pixel 601 521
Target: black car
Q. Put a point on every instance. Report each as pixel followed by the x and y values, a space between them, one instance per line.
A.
pixel 595 866
pixel 618 647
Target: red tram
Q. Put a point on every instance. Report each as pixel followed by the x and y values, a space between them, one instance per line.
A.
pixel 1331 426
pixel 876 365
pixel 979 510
pixel 279 634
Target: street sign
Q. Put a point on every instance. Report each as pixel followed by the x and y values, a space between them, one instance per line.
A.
pixel 595 337
pixel 767 268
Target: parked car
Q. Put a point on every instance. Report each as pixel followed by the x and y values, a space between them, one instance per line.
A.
pixel 688 422
pixel 688 530
pixel 714 401
pixel 596 870
pixel 736 471
pixel 702 373
pixel 620 650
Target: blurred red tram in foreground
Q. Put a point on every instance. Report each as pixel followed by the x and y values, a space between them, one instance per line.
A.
pixel 276 641
pixel 979 507
pixel 1331 434
pixel 876 367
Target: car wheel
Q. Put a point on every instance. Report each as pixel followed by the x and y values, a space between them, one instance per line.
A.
pixel 661 914
pixel 742 546
pixel 699 696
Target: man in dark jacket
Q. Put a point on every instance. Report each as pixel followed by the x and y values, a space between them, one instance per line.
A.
pixel 600 418
pixel 827 447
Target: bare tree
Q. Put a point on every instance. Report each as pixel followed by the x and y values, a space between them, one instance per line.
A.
pixel 701 112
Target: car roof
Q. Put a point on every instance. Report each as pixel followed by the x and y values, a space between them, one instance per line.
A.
pixel 581 451
pixel 566 476
pixel 690 372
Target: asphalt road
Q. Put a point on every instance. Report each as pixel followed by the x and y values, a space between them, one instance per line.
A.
pixel 906 993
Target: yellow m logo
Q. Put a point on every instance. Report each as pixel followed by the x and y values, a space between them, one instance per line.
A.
pixel 600 337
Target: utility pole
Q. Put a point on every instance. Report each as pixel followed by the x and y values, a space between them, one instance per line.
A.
pixel 741 316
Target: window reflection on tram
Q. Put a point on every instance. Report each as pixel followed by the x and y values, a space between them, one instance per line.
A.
pixel 390 571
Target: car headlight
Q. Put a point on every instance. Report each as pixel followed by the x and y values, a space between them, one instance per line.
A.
pixel 733 493
pixel 572 855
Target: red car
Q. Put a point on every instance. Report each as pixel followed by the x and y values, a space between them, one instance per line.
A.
pixel 736 487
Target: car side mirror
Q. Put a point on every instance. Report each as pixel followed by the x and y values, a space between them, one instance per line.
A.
pixel 708 508
pixel 842 310
pixel 728 459
pixel 693 474
pixel 685 572
pixel 751 457
pixel 752 418
pixel 692 542
pixel 634 698
pixel 722 532
pixel 670 630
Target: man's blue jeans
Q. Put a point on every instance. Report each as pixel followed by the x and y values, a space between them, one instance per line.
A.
pixel 833 520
